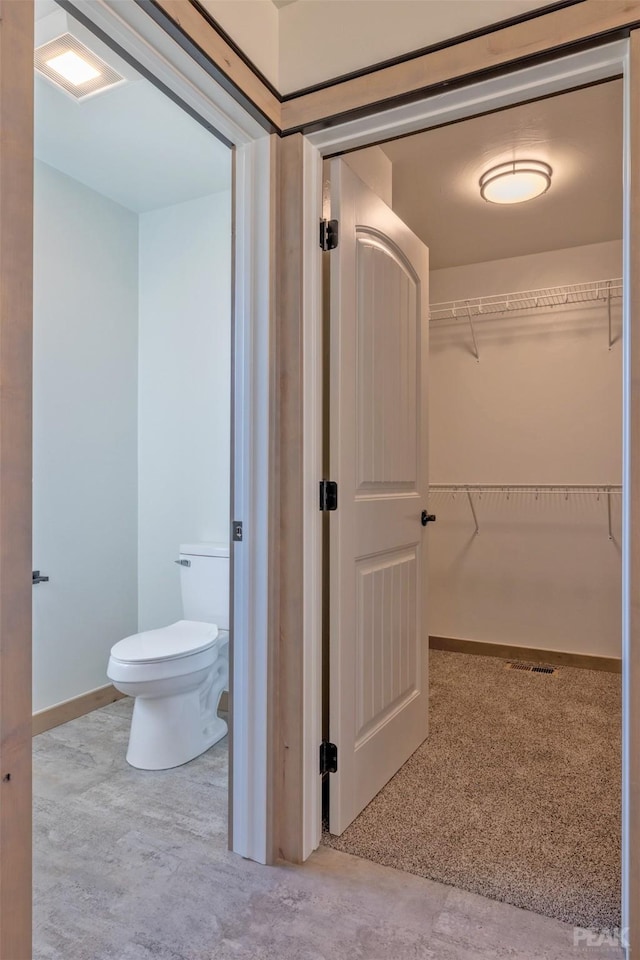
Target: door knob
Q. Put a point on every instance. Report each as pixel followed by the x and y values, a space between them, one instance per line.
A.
pixel 427 518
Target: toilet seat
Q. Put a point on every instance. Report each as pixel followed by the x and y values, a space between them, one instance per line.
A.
pixel 185 638
pixel 176 684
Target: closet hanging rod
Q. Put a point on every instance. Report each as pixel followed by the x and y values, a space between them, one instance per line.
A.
pixel 597 488
pixel 566 489
pixel 546 297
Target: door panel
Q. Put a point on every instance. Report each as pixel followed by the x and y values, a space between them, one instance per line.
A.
pixel 386 626
pixel 378 424
pixel 386 367
pixel 16 308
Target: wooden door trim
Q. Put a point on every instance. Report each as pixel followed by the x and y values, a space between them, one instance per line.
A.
pixel 233 56
pixel 500 47
pixel 545 36
pixel 16 253
pixel 428 49
pixel 297 546
pixel 197 33
pixel 288 510
pixel 631 656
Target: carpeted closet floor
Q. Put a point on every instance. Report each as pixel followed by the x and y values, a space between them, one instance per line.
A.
pixel 516 793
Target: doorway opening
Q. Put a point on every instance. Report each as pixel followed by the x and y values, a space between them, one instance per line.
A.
pixel 516 792
pixel 132 461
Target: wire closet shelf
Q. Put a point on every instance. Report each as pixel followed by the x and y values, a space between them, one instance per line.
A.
pixel 472 309
pixel 604 490
pixel 545 297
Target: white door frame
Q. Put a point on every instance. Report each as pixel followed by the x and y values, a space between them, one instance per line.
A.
pixel 138 35
pixel 517 86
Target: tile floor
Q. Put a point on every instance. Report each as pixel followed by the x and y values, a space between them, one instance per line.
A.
pixel 131 865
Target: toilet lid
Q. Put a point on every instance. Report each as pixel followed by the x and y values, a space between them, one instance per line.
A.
pixel 177 640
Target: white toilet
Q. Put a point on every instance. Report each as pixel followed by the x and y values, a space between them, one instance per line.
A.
pixel 178 673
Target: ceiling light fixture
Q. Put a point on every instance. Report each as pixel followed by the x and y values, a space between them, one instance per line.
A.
pixel 515 181
pixel 75 68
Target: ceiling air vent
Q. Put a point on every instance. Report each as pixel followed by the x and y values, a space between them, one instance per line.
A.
pixel 70 65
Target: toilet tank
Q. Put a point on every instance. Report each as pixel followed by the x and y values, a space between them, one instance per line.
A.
pixel 204 580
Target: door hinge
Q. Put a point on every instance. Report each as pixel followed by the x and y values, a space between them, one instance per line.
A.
pixel 328 495
pixel 328 234
pixel 237 531
pixel 328 757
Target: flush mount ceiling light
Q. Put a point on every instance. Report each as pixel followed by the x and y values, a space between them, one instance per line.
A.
pixel 73 68
pixel 70 65
pixel 515 181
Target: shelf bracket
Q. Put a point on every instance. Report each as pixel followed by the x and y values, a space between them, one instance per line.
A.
pixel 609 512
pixel 473 335
pixel 473 512
pixel 610 336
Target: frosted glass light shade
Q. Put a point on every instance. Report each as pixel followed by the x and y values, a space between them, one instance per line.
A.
pixel 515 181
pixel 73 68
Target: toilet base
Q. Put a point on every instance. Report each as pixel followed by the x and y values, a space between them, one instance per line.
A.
pixel 167 731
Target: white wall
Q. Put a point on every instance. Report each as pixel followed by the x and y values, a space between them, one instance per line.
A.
pixel 375 169
pixel 85 425
pixel 184 392
pixel 543 405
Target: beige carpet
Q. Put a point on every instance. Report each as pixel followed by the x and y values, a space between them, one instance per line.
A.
pixel 515 795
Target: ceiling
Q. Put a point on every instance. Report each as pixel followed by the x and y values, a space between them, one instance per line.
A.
pixel 132 143
pixel 435 178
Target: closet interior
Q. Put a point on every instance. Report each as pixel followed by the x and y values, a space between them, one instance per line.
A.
pixel 515 794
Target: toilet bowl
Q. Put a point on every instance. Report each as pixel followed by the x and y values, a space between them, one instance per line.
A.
pixel 177 675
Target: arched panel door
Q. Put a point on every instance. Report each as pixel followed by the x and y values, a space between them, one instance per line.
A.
pixel 379 448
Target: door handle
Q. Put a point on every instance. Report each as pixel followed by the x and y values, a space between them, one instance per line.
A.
pixel 36 577
pixel 427 518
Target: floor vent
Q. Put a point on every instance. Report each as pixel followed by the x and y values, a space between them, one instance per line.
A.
pixel 531 667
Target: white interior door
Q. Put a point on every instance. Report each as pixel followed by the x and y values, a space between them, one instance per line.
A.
pixel 378 449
